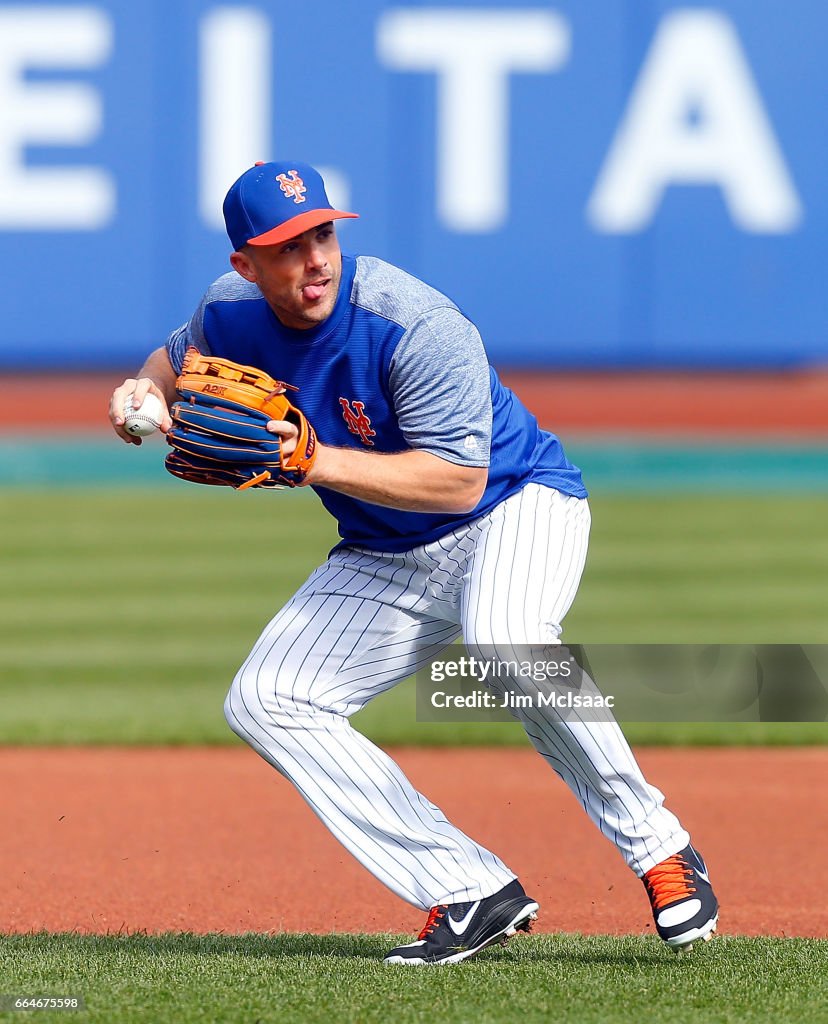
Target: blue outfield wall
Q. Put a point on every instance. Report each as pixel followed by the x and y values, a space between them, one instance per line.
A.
pixel 622 183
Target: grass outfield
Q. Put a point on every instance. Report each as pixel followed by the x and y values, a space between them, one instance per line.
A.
pixel 178 979
pixel 126 613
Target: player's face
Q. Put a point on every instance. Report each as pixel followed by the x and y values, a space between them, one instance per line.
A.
pixel 299 277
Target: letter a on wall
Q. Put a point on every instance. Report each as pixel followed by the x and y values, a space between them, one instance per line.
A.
pixel 695 117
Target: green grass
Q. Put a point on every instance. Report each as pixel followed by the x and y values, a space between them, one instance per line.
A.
pixel 125 614
pixel 178 979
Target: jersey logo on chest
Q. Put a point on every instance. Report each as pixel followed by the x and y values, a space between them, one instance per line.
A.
pixel 357 421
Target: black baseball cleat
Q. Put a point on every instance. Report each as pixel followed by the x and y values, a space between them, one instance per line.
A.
pixel 684 905
pixel 456 931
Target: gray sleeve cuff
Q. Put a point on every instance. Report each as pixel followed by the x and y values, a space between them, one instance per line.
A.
pixel 189 335
pixel 441 386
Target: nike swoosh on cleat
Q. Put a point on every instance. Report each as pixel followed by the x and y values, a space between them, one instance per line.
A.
pixel 458 927
pixel 702 874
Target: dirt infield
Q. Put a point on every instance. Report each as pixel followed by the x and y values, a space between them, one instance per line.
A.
pixel 107 840
pixel 782 405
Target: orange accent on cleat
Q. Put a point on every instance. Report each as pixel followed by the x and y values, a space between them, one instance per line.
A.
pixel 434 916
pixel 669 881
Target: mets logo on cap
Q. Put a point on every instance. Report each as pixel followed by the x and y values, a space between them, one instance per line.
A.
pixel 292 186
pixel 272 202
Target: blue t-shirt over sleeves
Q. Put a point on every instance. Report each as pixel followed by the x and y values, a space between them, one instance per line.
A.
pixel 395 366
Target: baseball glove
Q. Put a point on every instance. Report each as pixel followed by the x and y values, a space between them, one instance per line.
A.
pixel 219 433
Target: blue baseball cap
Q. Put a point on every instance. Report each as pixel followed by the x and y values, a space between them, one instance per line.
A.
pixel 273 202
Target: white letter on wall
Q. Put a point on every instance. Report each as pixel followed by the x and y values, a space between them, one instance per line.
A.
pixel 695 68
pixel 473 51
pixel 51 114
pixel 235 128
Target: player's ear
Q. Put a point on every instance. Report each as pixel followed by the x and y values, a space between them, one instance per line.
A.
pixel 240 262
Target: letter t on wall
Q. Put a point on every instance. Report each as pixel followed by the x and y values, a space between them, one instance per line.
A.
pixel 473 52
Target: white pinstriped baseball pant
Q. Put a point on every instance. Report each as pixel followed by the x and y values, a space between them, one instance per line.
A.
pixel 365 620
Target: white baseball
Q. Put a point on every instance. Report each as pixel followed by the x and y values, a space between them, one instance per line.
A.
pixel 146 419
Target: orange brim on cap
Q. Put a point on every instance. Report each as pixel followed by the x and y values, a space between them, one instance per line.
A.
pixel 296 225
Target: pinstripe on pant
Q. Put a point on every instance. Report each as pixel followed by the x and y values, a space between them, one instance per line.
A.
pixel 365 620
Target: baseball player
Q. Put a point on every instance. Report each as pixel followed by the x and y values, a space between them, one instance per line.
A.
pixel 457 514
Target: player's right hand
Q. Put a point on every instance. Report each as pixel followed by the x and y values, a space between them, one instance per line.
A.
pixel 140 387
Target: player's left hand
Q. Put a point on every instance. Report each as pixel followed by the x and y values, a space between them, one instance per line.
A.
pixel 288 432
pixel 234 426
